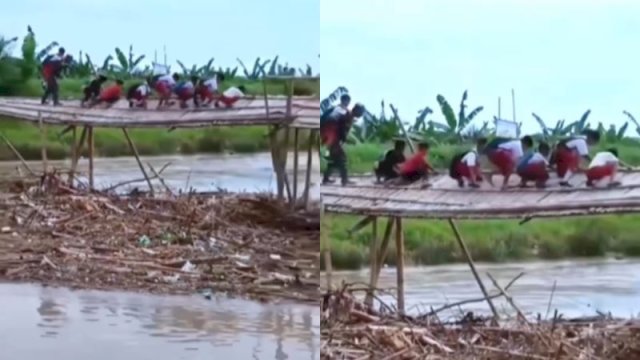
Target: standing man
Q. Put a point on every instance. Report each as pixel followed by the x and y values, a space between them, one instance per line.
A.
pixel 51 70
pixel 337 156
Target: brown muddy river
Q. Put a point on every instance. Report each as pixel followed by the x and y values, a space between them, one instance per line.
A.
pixel 583 287
pixel 38 322
pixel 237 172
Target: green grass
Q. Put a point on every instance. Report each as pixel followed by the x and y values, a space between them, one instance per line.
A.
pixel 430 242
pixel 361 157
pixel 110 142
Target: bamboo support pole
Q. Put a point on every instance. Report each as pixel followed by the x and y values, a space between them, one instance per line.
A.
pixel 43 138
pixel 91 145
pixel 467 254
pixel 77 153
pixel 17 154
pixel 360 225
pixel 400 264
pixel 137 156
pixel 373 256
pixel 327 248
pixel 307 180
pixel 296 139
pixel 74 139
pixel 383 249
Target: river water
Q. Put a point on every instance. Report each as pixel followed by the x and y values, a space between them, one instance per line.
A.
pixel 583 287
pixel 233 172
pixel 37 322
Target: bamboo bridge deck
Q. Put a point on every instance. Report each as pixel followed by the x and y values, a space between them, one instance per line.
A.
pixel 445 200
pixel 305 113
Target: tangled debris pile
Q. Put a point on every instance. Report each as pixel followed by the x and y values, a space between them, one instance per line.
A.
pixel 241 244
pixel 350 330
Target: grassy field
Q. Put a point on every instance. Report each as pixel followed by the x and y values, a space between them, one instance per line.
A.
pixel 110 142
pixel 432 242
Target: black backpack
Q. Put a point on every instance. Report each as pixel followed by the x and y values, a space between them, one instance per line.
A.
pixel 454 161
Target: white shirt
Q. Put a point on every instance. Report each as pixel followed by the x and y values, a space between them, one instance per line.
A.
pixel 233 92
pixel 167 79
pixel 337 112
pixel 187 85
pixel 603 158
pixel 470 159
pixel 143 89
pixel 212 84
pixel 515 146
pixel 579 144
pixel 537 158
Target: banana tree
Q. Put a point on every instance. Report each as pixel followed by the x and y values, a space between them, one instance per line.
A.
pixel 127 65
pixel 613 134
pixel 229 73
pixel 557 131
pixel 258 69
pixel 328 102
pixel 455 124
pixel 633 120
pixel 5 46
pixel 308 72
pixel 29 63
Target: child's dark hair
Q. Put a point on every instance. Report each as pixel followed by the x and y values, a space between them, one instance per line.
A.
pixel 481 142
pixel 527 141
pixel 176 76
pixel 242 88
pixel 544 148
pixel 345 98
pixel 119 81
pixel 592 134
pixel 220 76
pixel 102 78
pixel 424 145
pixel 614 151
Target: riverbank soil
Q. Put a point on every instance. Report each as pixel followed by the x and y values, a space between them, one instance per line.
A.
pixel 351 330
pixel 245 245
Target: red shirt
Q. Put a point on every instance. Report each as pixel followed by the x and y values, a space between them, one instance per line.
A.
pixel 113 92
pixel 417 162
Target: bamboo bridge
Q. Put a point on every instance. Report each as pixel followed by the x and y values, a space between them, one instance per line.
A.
pixel 444 200
pixel 281 114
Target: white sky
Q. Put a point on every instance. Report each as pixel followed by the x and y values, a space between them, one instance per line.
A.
pixel 562 57
pixel 192 30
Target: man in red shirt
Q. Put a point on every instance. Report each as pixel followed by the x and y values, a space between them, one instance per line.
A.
pixel 52 67
pixel 111 94
pixel 416 167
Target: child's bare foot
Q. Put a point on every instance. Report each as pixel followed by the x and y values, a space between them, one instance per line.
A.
pixel 461 183
pixel 523 185
pixel 474 185
pixel 614 184
pixel 425 185
pixel 566 184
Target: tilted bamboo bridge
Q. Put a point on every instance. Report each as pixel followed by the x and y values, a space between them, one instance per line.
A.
pixel 282 114
pixel 444 200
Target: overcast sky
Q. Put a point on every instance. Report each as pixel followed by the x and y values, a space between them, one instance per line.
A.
pixel 561 57
pixel 192 30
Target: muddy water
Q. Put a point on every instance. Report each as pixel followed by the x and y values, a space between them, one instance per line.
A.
pixel 582 287
pixel 235 173
pixel 36 322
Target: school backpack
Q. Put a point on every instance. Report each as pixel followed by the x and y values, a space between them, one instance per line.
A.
pixel 326 115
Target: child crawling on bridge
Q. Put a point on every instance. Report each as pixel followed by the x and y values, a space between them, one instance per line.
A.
pixel 568 153
pixel 92 90
pixel 415 168
pixel 207 90
pixel 185 91
pixel 231 96
pixel 164 86
pixel 385 167
pixel 503 154
pixel 110 95
pixel 533 165
pixel 466 167
pixel 138 94
pixel 604 165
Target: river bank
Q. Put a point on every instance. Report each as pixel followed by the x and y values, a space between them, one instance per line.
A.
pixel 110 325
pixel 352 330
pixel 247 245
